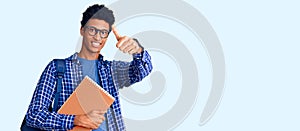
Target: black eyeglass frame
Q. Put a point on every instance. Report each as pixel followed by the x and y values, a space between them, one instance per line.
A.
pixel 97 31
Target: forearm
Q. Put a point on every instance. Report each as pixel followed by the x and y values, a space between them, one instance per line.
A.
pixel 46 120
pixel 140 67
pixel 38 114
pixel 127 73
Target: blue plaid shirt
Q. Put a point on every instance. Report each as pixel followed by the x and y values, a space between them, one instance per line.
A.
pixel 113 76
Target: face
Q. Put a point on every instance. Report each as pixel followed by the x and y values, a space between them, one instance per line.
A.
pixel 92 44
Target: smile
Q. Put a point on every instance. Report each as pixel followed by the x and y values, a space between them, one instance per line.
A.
pixel 96 44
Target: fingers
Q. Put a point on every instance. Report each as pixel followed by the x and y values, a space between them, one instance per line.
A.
pixel 132 48
pixel 91 120
pixel 97 122
pixel 119 38
pixel 117 35
pixel 96 117
pixel 129 46
pixel 125 43
pixel 121 41
pixel 99 112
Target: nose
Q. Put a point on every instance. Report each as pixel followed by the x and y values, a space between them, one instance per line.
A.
pixel 97 36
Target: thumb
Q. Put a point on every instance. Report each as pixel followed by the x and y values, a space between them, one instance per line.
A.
pixel 118 36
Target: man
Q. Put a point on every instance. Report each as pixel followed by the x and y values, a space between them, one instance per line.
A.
pixel 96 25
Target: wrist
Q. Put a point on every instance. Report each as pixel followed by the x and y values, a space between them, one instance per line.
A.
pixel 79 120
pixel 141 48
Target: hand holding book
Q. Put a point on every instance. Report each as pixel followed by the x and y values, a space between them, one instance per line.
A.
pixel 88 103
pixel 92 120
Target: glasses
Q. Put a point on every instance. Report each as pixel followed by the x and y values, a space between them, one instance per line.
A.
pixel 94 31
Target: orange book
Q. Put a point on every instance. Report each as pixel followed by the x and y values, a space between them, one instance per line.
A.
pixel 87 96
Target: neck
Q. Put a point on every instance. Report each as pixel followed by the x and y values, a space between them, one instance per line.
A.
pixel 88 56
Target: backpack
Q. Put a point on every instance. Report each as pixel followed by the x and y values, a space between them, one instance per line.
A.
pixel 60 70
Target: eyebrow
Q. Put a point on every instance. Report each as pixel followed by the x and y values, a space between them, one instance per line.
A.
pixel 97 28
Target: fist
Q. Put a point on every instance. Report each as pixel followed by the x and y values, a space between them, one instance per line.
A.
pixel 126 44
pixel 91 120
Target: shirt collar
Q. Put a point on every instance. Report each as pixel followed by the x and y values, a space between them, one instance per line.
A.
pixel 74 58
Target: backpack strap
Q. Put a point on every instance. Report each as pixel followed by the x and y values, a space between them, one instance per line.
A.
pixel 60 70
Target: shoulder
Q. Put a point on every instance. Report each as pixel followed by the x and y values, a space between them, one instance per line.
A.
pixel 52 64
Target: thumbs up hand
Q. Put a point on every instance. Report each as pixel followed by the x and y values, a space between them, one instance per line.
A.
pixel 126 44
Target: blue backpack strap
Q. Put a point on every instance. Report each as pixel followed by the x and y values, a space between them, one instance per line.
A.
pixel 60 70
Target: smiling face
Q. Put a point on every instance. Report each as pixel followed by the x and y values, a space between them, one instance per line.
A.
pixel 92 45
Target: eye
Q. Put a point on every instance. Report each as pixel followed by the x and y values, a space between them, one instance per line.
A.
pixel 104 32
pixel 92 30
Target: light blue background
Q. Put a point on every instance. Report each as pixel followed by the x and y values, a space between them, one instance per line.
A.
pixel 259 40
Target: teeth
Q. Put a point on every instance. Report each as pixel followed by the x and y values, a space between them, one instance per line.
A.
pixel 95 44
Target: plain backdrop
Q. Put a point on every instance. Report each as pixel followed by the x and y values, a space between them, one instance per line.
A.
pixel 260 40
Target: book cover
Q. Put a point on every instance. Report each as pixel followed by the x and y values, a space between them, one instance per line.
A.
pixel 87 96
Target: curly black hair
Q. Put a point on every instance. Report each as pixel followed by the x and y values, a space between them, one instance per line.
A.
pixel 100 12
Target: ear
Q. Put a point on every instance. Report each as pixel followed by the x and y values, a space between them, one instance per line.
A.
pixel 81 31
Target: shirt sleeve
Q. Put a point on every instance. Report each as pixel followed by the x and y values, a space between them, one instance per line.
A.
pixel 38 114
pixel 128 73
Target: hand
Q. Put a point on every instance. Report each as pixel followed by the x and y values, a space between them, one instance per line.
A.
pixel 91 120
pixel 126 44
